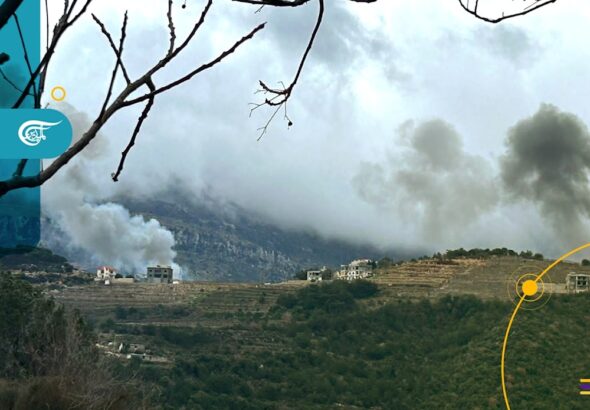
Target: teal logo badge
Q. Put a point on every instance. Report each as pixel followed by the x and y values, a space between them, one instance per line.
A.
pixel 31 132
pixel 34 133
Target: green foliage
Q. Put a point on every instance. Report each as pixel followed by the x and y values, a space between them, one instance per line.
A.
pixel 183 337
pixel 335 297
pixel 419 355
pixel 385 263
pixel 478 253
pixel 585 262
pixel 301 275
pixel 48 357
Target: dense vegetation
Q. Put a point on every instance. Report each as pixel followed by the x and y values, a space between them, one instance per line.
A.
pixel 332 346
pixel 47 356
pixel 329 345
pixel 486 253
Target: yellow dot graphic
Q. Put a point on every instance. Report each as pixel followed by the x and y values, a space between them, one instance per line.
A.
pixel 58 93
pixel 529 287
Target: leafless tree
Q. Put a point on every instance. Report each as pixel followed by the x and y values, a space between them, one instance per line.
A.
pixel 275 98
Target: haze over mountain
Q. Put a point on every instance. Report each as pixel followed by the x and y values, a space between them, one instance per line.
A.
pixel 227 243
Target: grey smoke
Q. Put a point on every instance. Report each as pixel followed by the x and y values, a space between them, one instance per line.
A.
pixel 106 231
pixel 430 181
pixel 547 163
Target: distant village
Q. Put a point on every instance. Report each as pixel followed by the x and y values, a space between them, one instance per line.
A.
pixel 357 269
pixel 155 274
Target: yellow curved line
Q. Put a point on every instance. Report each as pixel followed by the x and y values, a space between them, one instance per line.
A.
pixel 561 258
pixel 522 299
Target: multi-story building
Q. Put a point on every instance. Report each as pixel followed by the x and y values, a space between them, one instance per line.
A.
pixel 159 274
pixel 357 269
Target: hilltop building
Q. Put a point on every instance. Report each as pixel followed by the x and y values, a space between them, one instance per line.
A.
pixel 577 282
pixel 159 274
pixel 316 275
pixel 357 269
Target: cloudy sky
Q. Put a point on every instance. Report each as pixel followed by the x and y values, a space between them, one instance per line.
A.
pixel 416 126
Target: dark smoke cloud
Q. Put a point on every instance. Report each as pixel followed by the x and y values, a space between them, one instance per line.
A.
pixel 547 163
pixel 432 183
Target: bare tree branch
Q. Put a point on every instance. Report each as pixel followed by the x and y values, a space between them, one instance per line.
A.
pixel 198 70
pixel 61 27
pixel 140 121
pixel 279 97
pixel 118 51
pixel 474 12
pixel 7 10
pixel 20 168
pixel 121 101
pixel 26 56
pixel 9 81
pixel 171 27
pixel 75 9
pixel 289 3
pixel 118 63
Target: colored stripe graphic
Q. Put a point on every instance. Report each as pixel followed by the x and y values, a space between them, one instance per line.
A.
pixel 584 387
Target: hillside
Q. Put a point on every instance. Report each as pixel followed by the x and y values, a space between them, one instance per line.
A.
pixel 33 259
pixel 410 338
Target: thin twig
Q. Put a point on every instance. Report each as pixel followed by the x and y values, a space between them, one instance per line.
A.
pixel 171 27
pixel 531 7
pixel 9 81
pixel 117 51
pixel 27 61
pixel 140 122
pixel 282 95
pixel 118 63
pixel 198 70
pixel 46 26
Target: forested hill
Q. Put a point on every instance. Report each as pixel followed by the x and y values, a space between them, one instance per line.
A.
pixel 33 260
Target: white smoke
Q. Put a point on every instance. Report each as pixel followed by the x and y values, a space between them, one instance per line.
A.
pixel 104 231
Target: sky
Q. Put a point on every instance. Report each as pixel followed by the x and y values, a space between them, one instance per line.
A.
pixel 415 125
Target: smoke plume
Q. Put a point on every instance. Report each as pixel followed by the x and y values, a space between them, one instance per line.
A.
pixel 106 232
pixel 547 163
pixel 430 181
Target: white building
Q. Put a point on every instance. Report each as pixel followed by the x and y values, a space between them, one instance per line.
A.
pixel 357 269
pixel 105 273
pixel 316 275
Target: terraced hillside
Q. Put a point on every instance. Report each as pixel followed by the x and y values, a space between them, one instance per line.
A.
pixel 485 278
pixel 226 313
pixel 423 278
pixel 231 313
pixel 204 298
